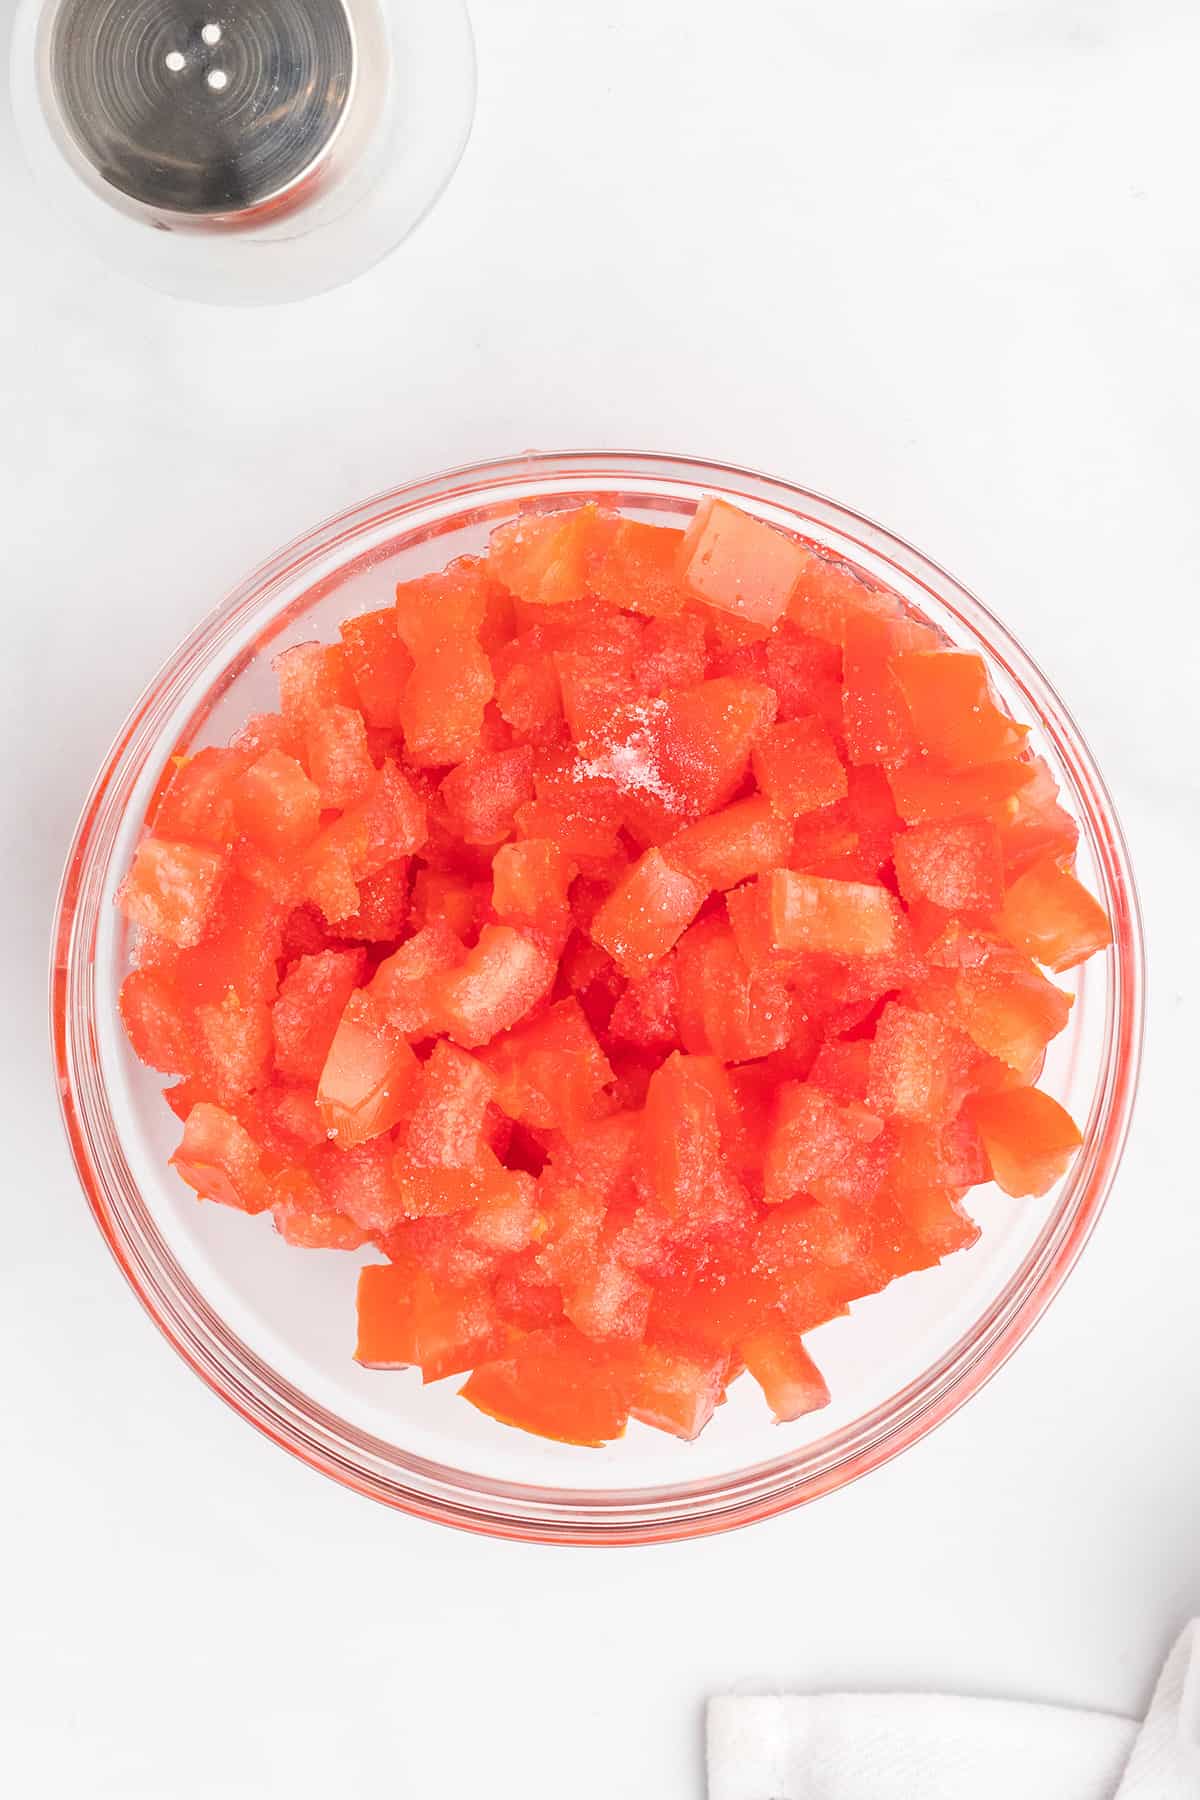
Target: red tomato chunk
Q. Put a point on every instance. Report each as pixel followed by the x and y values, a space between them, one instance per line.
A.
pixel 629 940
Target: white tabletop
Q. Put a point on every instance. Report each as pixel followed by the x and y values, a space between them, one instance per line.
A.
pixel 939 260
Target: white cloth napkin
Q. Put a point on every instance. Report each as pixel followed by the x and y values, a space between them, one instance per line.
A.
pixel 937 1747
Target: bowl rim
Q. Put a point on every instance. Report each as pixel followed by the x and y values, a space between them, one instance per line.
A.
pixel 267 1401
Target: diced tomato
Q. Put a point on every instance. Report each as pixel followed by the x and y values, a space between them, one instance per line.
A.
pixel 611 1302
pixel 315 1230
pixel 789 1378
pixel 402 985
pixel 713 727
pixel 749 913
pixel 798 768
pixel 438 609
pixel 438 621
pixel 499 617
pixel 338 758
pixel 508 1217
pixel 197 804
pixel 154 1023
pixel 593 684
pixel 389 821
pixel 292 1113
pixel 491 1210
pixel 528 694
pixel 453 1093
pixel 730 846
pixel 302 1218
pixel 1052 917
pixel 433 1193
pixel 1011 1011
pixel 220 1159
pixel 725 1007
pixel 810 1135
pixel 739 564
pixel 543 558
pixel 917 1067
pixel 829 592
pixel 840 918
pixel 876 721
pixel 530 880
pixel 646 913
pixel 953 714
pixel 550 1073
pixel 928 1225
pixel 263 732
pixel 276 804
pixel 672 653
pixel 360 1182
pixel 1038 825
pixel 312 998
pixel 311 676
pixel 496 983
pixel 386 1328
pixel 813 1257
pixel 942 1160
pixel 382 905
pixel 405 1320
pixel 806 674
pixel 441 898
pixel 239 949
pixel 1028 1137
pixel 234 1046
pixel 955 864
pixel 827 842
pixel 928 795
pixel 380 667
pixel 711 1311
pixel 523 1295
pixel 681 1137
pixel 172 889
pixel 482 795
pixel 442 707
pixel 366 1076
pixel 647 1012
pixel 556 1384
pixel 635 566
pixel 842 1068
pixel 675 758
pixel 581 836
pixel 678 1387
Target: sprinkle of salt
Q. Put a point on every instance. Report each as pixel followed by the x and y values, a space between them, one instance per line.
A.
pixel 630 763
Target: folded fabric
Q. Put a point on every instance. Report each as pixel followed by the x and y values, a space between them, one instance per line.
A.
pixel 938 1747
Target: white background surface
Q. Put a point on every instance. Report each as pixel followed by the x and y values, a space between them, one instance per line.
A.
pixel 940 260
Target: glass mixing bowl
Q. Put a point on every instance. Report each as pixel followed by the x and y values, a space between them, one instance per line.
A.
pixel 271 1328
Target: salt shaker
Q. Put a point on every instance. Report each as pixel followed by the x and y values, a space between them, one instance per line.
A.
pixel 243 150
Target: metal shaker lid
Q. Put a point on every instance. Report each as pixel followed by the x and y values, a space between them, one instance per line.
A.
pixel 203 109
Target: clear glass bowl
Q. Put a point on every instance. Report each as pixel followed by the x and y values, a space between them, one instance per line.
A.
pixel 271 1328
